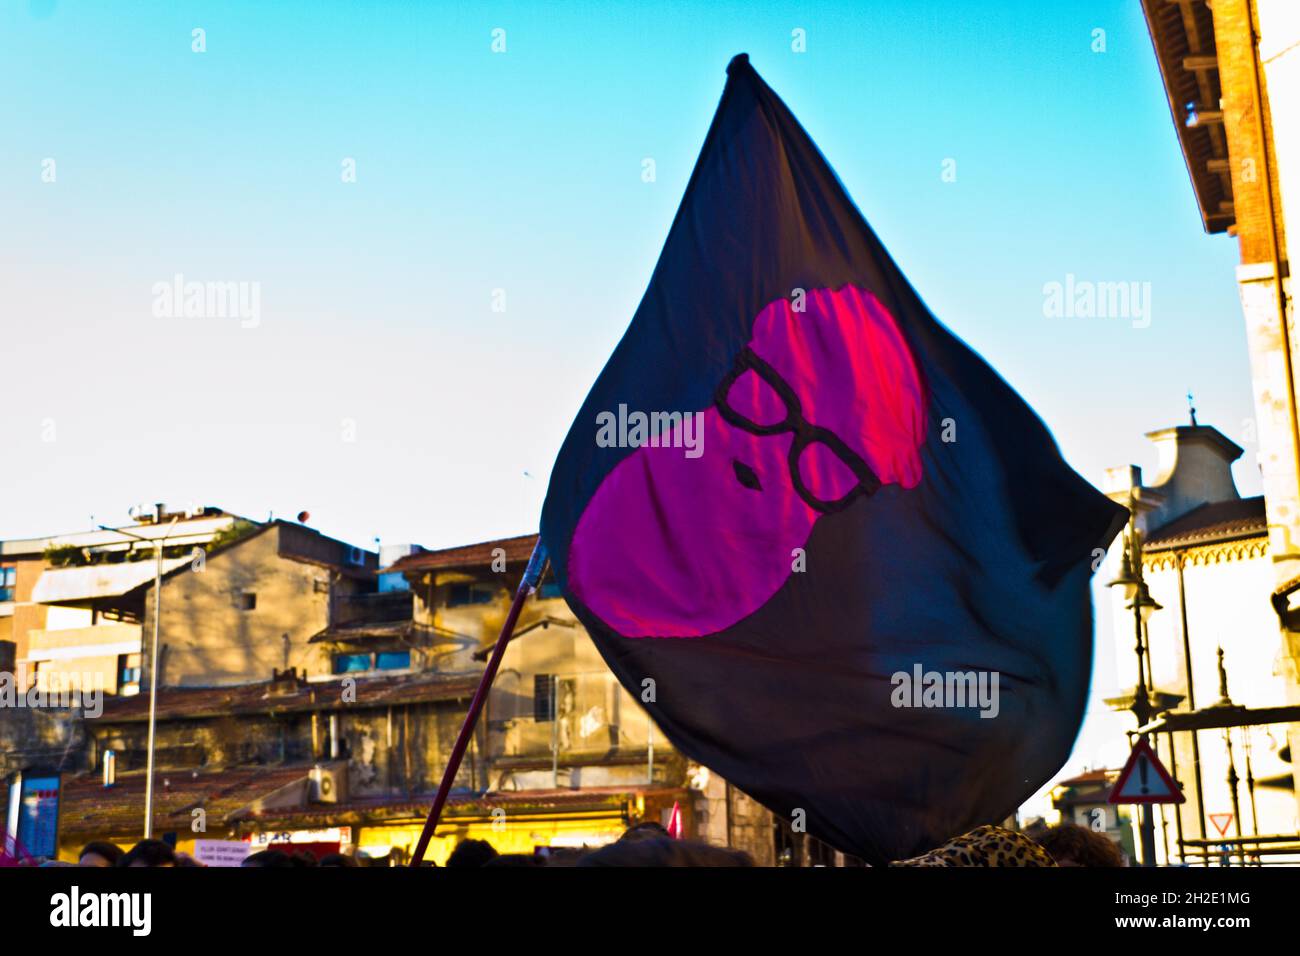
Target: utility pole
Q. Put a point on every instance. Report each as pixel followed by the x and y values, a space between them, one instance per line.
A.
pixel 153 666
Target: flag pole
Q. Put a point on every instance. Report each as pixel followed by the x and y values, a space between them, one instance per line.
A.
pixel 527 586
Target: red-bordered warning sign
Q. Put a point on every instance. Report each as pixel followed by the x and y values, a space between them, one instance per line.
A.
pixel 1221 822
pixel 1144 779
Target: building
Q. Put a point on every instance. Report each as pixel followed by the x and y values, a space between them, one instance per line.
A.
pixel 1212 665
pixel 71 612
pixel 73 605
pixel 1231 73
pixel 240 600
pixel 302 704
pixel 557 721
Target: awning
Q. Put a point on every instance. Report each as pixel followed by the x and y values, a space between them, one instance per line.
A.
pixel 92 581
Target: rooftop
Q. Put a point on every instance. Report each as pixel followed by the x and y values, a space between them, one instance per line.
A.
pixel 228 795
pixel 1183 37
pixel 1213 523
pixel 88 807
pixel 271 697
pixel 466 557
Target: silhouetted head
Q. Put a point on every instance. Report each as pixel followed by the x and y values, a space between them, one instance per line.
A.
pixel 99 853
pixel 149 853
pixel 646 830
pixel 470 854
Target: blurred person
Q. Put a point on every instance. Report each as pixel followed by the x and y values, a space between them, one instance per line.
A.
pixel 337 859
pixel 1072 845
pixel 149 853
pixel 471 854
pixel 99 853
pixel 269 859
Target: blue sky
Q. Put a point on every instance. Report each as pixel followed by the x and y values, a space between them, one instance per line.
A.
pixel 379 390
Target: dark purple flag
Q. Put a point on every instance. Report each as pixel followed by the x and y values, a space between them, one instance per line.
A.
pixel 849 558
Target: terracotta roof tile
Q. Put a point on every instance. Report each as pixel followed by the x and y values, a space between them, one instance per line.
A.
pixel 468 556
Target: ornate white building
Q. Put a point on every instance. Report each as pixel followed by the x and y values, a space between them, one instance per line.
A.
pixel 1206 559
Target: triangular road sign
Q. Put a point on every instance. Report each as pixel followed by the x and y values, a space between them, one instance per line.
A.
pixel 1222 827
pixel 1144 779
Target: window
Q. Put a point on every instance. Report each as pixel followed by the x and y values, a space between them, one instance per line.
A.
pixel 8 578
pixel 462 594
pixel 379 661
pixel 246 601
pixel 128 674
pixel 347 663
pixel 544 687
pixel 392 660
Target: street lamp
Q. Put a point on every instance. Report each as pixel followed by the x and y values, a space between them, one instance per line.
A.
pixel 1141 604
pixel 153 664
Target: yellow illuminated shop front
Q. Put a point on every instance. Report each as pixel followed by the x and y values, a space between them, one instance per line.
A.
pixel 512 822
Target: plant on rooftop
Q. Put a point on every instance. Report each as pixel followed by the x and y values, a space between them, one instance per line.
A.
pixel 64 555
pixel 239 529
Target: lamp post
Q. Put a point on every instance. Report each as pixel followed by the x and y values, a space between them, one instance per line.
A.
pixel 153 666
pixel 1141 604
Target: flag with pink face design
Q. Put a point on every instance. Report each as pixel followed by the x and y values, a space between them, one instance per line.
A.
pixel 834 555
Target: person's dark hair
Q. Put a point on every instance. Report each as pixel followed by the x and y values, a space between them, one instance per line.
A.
pixel 1072 845
pixel 337 859
pixel 663 852
pixel 109 851
pixel 471 853
pixel 148 853
pixel 516 859
pixel 645 830
pixel 270 859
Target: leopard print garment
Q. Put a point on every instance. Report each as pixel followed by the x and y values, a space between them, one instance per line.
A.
pixel 984 846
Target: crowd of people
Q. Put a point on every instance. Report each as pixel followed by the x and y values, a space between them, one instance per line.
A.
pixel 648 844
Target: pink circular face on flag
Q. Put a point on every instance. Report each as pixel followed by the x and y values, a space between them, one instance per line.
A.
pixel 689 535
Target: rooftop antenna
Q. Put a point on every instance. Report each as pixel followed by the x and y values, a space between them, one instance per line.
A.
pixel 1191 408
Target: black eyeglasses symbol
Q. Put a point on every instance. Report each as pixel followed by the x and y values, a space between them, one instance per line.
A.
pixel 805 432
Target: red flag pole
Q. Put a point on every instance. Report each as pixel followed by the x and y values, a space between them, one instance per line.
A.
pixel 527 586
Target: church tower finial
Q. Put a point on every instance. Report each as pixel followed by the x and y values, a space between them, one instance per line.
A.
pixel 1191 408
